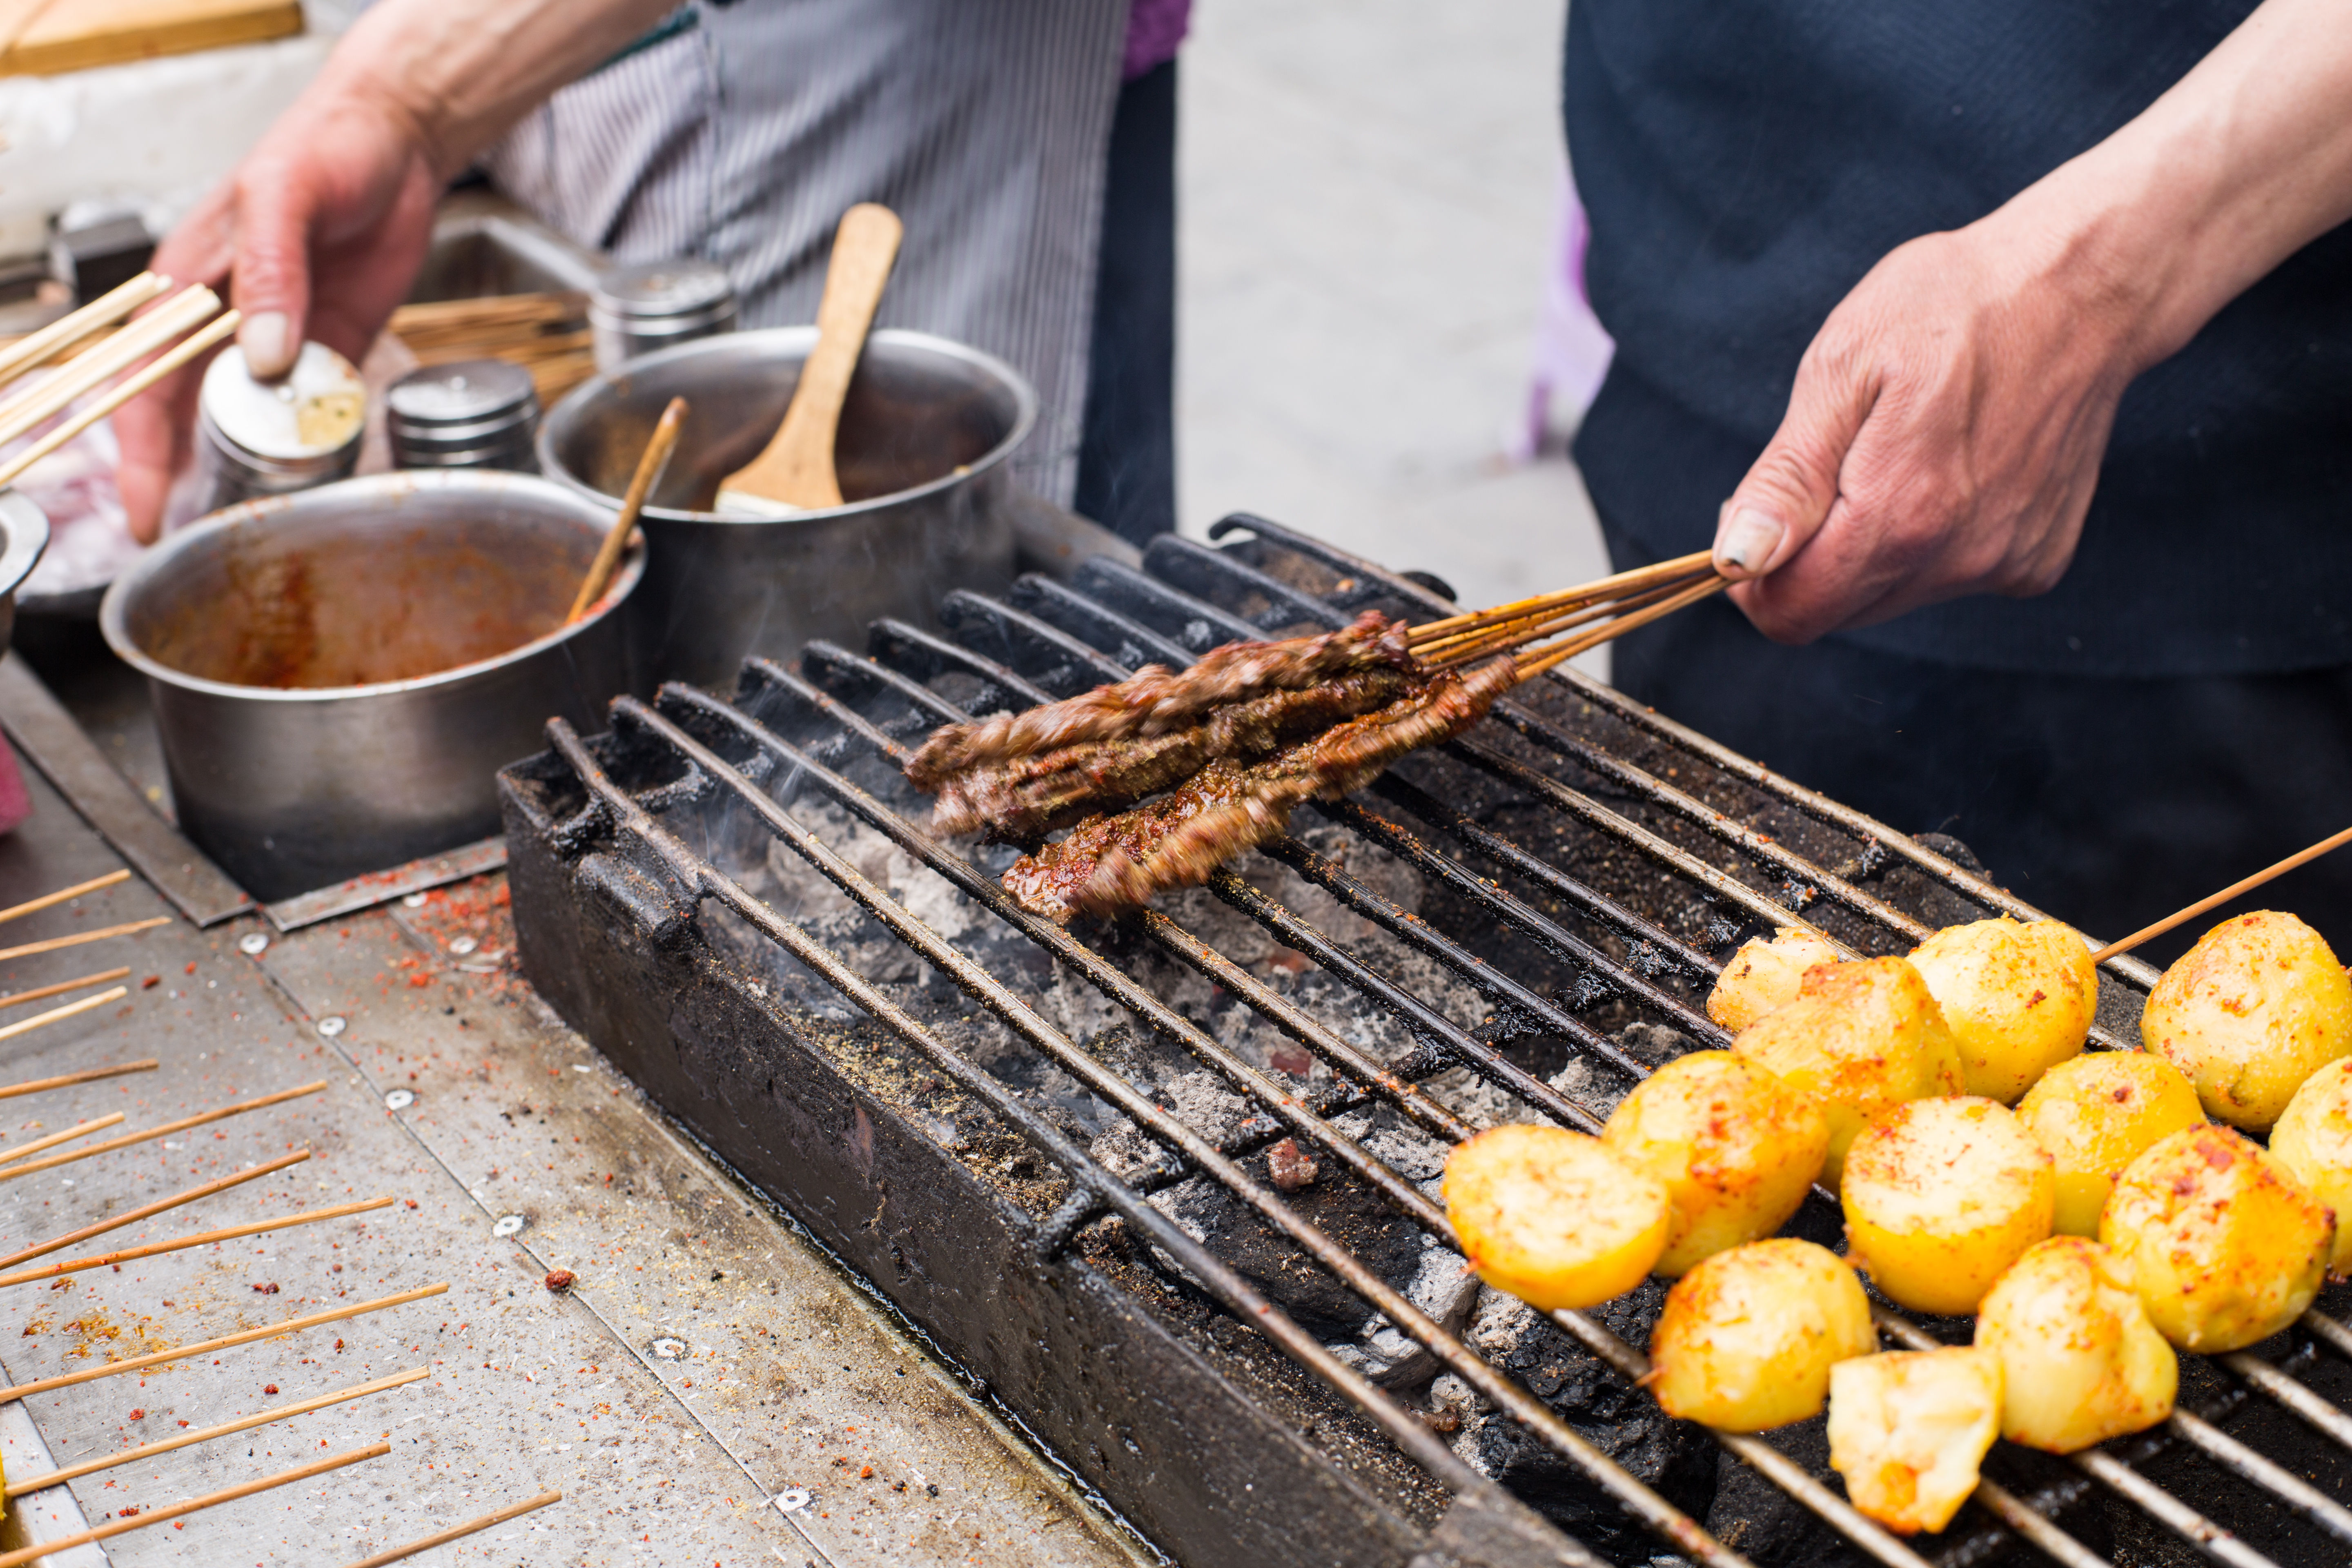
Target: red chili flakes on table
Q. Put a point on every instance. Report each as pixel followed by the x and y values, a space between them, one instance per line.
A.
pixel 192 967
pixel 268 1289
pixel 865 1472
pixel 268 1388
pixel 139 1416
pixel 129 1510
pixel 151 981
pixel 559 1281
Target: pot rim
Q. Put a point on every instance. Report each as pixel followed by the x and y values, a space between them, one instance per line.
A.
pixel 112 611
pixel 1024 420
pixel 26 527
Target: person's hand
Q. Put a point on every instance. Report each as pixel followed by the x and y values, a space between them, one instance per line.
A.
pixel 318 234
pixel 1943 437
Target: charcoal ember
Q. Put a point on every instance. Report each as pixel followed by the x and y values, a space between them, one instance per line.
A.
pixel 1920 895
pixel 1288 1166
pixel 1675 1458
pixel 1765 1524
pixel 1653 1044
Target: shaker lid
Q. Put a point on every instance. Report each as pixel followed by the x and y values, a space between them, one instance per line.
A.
pixel 317 409
pixel 656 289
pixel 474 397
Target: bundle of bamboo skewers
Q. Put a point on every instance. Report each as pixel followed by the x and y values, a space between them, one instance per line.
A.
pixel 545 333
pixel 90 348
pixel 1551 628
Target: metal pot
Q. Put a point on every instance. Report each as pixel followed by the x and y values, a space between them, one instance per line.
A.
pixel 24 534
pixel 924 435
pixel 339 675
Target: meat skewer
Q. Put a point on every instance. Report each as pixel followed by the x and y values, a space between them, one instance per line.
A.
pixel 1247 734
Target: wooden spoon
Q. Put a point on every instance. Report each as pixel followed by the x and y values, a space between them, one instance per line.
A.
pixel 796 472
pixel 641 485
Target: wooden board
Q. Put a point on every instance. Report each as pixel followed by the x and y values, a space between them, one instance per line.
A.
pixel 44 37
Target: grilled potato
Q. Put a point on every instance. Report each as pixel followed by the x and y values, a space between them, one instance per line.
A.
pixel 1735 1147
pixel 2019 998
pixel 1908 1428
pixel 1942 1196
pixel 1763 976
pixel 2224 1245
pixel 1865 1036
pixel 2258 1006
pixel 2095 1114
pixel 2313 1140
pixel 1552 1217
pixel 1747 1338
pixel 2080 1361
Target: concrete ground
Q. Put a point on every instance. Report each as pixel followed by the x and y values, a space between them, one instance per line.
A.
pixel 1367 192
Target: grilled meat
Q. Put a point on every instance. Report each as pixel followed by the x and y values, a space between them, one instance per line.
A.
pixel 1111 862
pixel 1029 797
pixel 1157 699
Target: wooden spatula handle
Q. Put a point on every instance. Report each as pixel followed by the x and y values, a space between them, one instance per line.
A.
pixel 798 465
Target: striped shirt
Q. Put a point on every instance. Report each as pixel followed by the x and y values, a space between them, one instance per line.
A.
pixel 741 131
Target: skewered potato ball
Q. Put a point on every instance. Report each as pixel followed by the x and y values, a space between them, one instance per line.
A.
pixel 2080 1361
pixel 1735 1147
pixel 2313 1140
pixel 1747 1338
pixel 2019 998
pixel 2258 1006
pixel 1552 1217
pixel 1908 1428
pixel 2224 1245
pixel 1942 1196
pixel 1864 1036
pixel 2095 1114
pixel 1763 976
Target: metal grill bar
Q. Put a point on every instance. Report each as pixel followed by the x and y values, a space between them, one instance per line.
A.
pixel 1067 633
pixel 1684 1533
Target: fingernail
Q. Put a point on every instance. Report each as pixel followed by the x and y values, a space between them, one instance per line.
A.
pixel 1748 540
pixel 267 338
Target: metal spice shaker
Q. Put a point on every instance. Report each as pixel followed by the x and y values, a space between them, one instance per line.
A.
pixel 264 438
pixel 473 414
pixel 655 305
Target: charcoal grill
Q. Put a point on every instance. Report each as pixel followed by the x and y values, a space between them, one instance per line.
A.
pixel 1079 1160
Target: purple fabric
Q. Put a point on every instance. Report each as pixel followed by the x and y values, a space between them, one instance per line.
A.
pixel 1154 29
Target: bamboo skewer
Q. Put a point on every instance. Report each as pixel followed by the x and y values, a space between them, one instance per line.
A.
pixel 66 1080
pixel 81 1130
pixel 178 316
pixel 2301 856
pixel 18 1488
pixel 76 939
pixel 1516 635
pixel 651 464
pixel 166 1130
pixel 39 992
pixel 42 1020
pixel 33 906
pixel 226 1342
pixel 180 1509
pixel 120 393
pixel 473 1526
pixel 149 1211
pixel 182 1243
pixel 67 330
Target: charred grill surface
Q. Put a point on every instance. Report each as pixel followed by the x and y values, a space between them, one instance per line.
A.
pixel 1167 1183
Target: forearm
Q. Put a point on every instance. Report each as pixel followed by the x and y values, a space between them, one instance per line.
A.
pixel 2243 162
pixel 463 71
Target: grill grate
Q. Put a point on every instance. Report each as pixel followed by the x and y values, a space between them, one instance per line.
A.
pixel 846 714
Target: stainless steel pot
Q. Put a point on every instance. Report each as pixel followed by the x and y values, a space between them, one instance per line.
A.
pixel 924 435
pixel 24 534
pixel 339 675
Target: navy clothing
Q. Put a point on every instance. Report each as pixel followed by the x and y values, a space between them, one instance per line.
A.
pixel 1744 166
pixel 1127 449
